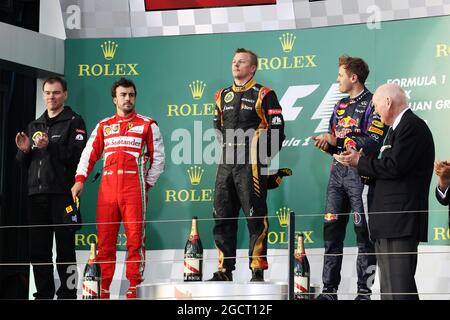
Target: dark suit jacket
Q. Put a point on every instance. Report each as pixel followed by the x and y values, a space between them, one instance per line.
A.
pixel 402 181
pixel 444 201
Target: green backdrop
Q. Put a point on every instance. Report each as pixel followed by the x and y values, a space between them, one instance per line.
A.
pixel 301 66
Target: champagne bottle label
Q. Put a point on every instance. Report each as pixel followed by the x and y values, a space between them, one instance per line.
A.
pixel 192 265
pixel 91 289
pixel 301 284
pixel 193 255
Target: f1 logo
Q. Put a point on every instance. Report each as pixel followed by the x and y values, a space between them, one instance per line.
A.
pixel 323 111
pixel 292 94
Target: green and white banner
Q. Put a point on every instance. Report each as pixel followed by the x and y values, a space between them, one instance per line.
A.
pixel 177 78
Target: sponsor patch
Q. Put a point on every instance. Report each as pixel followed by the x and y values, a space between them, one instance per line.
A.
pixel 131 142
pixel 115 128
pixel 356 218
pixel 245 107
pixel 80 131
pixel 276 120
pixel 228 97
pixel 349 142
pixel 248 100
pixel 378 124
pixel 264 91
pixel 348 122
pixel 79 137
pixel 272 112
pixel 376 130
pixel 343 105
pixel 375 136
pixel 340 112
pixel 137 129
pixel 330 216
pixel 107 130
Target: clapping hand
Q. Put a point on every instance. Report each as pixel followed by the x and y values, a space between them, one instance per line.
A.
pixel 442 169
pixel 323 141
pixel 349 157
pixel 23 142
pixel 40 139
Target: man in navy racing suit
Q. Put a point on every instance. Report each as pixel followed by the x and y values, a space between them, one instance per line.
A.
pixel 353 124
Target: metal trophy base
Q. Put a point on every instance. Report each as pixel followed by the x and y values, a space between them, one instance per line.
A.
pixel 217 290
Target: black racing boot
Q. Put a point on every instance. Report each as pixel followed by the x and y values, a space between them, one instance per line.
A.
pixel 363 293
pixel 328 293
pixel 222 276
pixel 257 275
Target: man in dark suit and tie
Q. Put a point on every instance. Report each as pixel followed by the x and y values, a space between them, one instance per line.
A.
pixel 442 169
pixel 402 177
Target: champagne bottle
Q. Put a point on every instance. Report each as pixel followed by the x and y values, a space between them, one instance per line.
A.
pixel 301 271
pixel 193 255
pixel 92 276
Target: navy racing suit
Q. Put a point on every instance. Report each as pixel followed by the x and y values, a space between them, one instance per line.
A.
pixel 354 123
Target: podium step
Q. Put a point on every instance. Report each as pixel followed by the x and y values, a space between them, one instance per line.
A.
pixel 213 291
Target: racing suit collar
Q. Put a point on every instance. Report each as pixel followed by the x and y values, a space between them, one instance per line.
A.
pixel 126 118
pixel 359 96
pixel 245 87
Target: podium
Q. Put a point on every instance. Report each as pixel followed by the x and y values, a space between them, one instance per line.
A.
pixel 217 290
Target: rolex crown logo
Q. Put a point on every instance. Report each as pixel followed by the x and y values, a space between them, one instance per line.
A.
pixel 283 216
pixel 195 175
pixel 197 88
pixel 287 41
pixel 109 49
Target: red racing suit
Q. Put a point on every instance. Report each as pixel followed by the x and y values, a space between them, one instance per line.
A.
pixel 128 144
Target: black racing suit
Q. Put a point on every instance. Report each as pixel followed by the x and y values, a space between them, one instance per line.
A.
pixel 353 123
pixel 249 123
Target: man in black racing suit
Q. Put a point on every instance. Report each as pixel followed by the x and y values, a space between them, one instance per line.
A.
pixel 250 128
pixel 353 124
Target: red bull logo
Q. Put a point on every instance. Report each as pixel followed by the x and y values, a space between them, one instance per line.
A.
pixel 330 216
pixel 348 122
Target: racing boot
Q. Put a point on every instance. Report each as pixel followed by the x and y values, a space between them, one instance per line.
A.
pixel 328 293
pixel 222 276
pixel 131 293
pixel 104 294
pixel 363 293
pixel 257 275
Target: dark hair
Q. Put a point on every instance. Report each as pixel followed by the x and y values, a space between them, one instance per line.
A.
pixel 54 79
pixel 253 56
pixel 354 65
pixel 122 82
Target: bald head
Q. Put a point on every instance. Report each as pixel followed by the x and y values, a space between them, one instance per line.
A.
pixel 389 100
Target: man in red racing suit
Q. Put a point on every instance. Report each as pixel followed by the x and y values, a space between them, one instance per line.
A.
pixel 129 141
